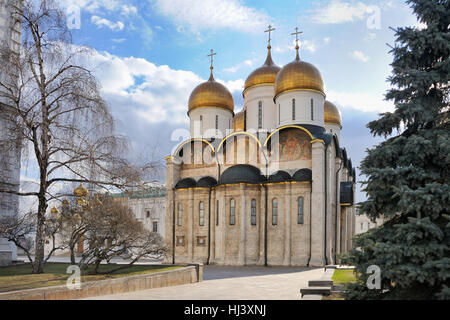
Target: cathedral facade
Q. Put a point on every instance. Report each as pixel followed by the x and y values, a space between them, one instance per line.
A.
pixel 270 185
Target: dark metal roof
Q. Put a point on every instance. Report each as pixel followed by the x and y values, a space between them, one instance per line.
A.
pixel 206 182
pixel 242 173
pixel 279 176
pixel 186 183
pixel 302 175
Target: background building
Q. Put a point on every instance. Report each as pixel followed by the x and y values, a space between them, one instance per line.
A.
pixel 270 185
pixel 10 32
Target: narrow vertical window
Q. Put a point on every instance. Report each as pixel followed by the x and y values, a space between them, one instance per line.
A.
pixel 293 109
pixel 217 213
pixel 312 109
pixel 201 214
pixel 274 212
pixel 155 226
pixel 232 212
pixel 253 213
pixel 180 214
pixel 259 114
pixel 300 210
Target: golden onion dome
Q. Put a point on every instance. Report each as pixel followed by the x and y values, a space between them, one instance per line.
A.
pixel 54 211
pixel 298 75
pixel 264 75
pixel 332 114
pixel 239 121
pixel 211 94
pixel 66 202
pixel 81 191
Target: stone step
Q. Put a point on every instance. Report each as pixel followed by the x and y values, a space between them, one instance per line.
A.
pixel 330 266
pixel 315 290
pixel 320 283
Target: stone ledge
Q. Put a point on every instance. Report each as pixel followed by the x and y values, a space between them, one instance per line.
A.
pixel 185 275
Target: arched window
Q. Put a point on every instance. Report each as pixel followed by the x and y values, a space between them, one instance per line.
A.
pixel 312 109
pixel 232 212
pixel 217 124
pixel 274 212
pixel 217 213
pixel 279 113
pixel 201 214
pixel 180 214
pixel 253 216
pixel 300 210
pixel 293 109
pixel 259 114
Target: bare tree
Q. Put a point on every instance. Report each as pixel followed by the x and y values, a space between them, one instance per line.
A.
pixel 57 111
pixel 112 231
pixel 20 231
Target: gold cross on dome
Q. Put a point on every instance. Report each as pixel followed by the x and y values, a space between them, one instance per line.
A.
pixel 212 54
pixel 269 30
pixel 296 33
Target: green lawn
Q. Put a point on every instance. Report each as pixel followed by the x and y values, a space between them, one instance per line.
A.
pixel 19 277
pixel 343 276
pixel 340 277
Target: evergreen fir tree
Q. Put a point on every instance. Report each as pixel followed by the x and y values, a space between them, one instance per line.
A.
pixel 408 174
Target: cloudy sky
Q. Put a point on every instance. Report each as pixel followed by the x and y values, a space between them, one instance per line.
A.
pixel 149 56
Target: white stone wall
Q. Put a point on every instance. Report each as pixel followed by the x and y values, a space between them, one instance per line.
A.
pixel 252 97
pixel 302 108
pixel 206 127
pixel 334 129
pixel 364 224
pixel 148 211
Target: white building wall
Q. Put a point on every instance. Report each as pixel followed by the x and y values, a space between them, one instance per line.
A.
pixel 334 129
pixel 148 211
pixel 302 108
pixel 252 97
pixel 206 127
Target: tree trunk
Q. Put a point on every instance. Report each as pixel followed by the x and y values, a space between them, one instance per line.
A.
pixel 97 265
pixel 38 265
pixel 72 254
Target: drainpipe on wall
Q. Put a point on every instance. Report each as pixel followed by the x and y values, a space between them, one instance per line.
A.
pixel 173 225
pixel 209 226
pixel 310 225
pixel 326 205
pixel 337 210
pixel 265 225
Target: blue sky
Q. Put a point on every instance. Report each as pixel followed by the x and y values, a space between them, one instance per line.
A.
pixel 149 55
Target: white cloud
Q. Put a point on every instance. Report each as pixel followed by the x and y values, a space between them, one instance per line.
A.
pixel 308 45
pixel 338 11
pixel 235 68
pixel 326 40
pixel 359 55
pixel 128 9
pixel 102 22
pixel 212 14
pixel 365 102
pixel 120 40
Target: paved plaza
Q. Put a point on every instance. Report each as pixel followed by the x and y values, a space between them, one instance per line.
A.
pixel 235 283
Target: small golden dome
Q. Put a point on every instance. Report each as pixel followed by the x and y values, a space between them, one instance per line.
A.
pixel 54 211
pixel 81 191
pixel 332 114
pixel 298 75
pixel 211 94
pixel 239 121
pixel 66 202
pixel 264 75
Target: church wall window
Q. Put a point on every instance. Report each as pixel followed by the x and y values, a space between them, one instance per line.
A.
pixel 155 226
pixel 312 109
pixel 180 214
pixel 293 109
pixel 275 211
pixel 201 215
pixel 259 114
pixel 201 124
pixel 300 210
pixel 232 212
pixel 253 213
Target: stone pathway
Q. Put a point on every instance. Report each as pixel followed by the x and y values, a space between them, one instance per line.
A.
pixel 235 283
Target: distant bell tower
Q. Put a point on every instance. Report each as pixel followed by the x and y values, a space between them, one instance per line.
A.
pixel 10 33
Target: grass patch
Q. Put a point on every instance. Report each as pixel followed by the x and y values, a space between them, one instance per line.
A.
pixel 343 276
pixel 340 277
pixel 20 278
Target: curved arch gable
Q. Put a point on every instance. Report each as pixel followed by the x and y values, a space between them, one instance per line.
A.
pixel 191 140
pixel 288 127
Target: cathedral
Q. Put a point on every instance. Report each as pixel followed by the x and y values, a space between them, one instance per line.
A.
pixel 270 185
